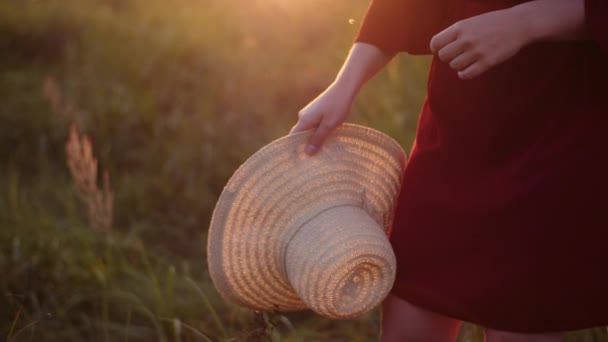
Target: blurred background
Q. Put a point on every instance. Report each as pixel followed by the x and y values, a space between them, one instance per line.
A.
pixel 120 123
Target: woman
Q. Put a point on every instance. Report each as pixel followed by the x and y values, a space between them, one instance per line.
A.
pixel 501 219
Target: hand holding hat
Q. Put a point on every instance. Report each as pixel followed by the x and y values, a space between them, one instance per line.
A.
pixel 323 115
pixel 291 232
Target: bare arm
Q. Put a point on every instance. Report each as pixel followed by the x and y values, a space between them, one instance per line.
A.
pixel 331 107
pixel 361 64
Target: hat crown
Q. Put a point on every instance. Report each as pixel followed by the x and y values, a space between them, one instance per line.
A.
pixel 340 262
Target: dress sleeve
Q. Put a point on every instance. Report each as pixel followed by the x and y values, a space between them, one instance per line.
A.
pixel 402 25
pixel 596 18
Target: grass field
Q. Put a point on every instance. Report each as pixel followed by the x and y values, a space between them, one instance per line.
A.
pixel 172 97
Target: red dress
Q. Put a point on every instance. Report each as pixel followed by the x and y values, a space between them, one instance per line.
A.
pixel 503 214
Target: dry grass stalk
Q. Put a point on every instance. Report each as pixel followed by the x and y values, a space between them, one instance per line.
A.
pixel 81 161
pixel 83 167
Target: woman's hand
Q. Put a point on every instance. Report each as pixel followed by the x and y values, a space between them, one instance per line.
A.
pixel 331 108
pixel 474 45
pixel 324 114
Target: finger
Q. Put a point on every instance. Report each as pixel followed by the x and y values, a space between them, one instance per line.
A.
pixel 318 137
pixel 443 38
pixel 451 51
pixel 472 71
pixel 463 61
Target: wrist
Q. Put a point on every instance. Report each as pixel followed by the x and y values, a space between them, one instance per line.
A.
pixel 346 85
pixel 531 27
pixel 546 20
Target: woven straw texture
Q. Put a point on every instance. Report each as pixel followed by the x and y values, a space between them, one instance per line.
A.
pixel 293 232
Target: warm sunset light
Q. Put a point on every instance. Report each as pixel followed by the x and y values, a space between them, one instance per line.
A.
pixel 303 170
pixel 121 123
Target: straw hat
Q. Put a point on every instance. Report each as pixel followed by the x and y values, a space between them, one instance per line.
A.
pixel 292 232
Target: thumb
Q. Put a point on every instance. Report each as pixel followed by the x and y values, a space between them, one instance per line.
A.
pixel 318 137
pixel 306 120
pixel 301 126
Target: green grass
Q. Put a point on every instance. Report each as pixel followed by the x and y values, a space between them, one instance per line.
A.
pixel 175 97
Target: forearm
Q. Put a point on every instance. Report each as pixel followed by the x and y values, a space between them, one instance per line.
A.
pixel 547 20
pixel 362 63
